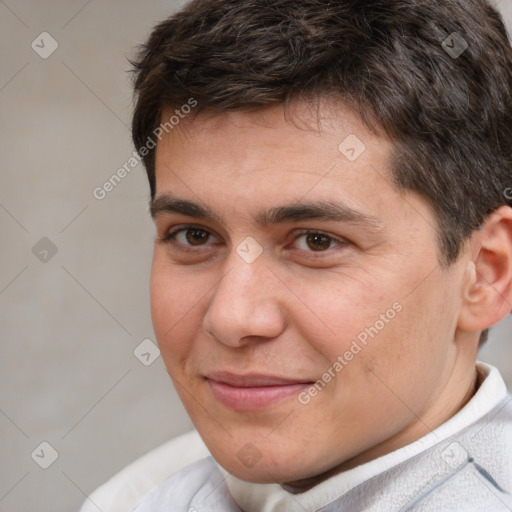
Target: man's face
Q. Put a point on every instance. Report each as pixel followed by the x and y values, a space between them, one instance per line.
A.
pixel 249 315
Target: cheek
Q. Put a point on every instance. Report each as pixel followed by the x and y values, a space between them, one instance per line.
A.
pixel 403 353
pixel 333 314
pixel 174 301
pixel 378 328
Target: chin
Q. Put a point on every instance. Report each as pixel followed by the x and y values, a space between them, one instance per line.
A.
pixel 260 473
pixel 265 463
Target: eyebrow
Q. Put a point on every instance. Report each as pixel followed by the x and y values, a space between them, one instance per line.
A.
pixel 299 211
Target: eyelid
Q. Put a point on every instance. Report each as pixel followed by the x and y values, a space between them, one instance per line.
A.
pixel 176 229
pixel 338 240
pixel 171 235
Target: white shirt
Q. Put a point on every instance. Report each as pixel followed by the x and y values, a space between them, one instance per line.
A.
pixel 464 464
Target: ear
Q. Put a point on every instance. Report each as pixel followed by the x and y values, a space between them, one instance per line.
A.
pixel 487 297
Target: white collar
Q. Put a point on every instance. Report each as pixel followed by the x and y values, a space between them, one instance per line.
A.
pixel 253 497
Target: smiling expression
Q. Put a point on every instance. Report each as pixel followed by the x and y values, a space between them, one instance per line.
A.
pixel 274 251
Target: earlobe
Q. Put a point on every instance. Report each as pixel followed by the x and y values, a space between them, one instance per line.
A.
pixel 488 288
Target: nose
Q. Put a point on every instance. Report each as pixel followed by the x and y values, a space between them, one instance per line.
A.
pixel 246 305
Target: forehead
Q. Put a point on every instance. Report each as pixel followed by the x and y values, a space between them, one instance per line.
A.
pixel 259 169
pixel 302 146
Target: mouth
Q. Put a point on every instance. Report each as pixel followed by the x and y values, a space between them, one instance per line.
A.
pixel 253 391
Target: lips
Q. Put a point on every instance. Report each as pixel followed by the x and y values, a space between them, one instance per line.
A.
pixel 252 391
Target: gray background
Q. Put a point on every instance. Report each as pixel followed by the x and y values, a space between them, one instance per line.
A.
pixel 70 324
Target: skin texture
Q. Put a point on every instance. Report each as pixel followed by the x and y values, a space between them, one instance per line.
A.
pixel 295 309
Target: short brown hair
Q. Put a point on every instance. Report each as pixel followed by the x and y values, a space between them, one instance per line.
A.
pixel 448 114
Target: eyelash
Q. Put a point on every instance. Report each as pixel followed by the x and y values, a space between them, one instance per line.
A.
pixel 170 238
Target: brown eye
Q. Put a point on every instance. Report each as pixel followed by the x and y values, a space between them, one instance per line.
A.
pixel 317 247
pixel 187 237
pixel 318 242
pixel 196 236
pixel 314 241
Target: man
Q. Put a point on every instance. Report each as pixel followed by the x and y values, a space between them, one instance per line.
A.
pixel 333 240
